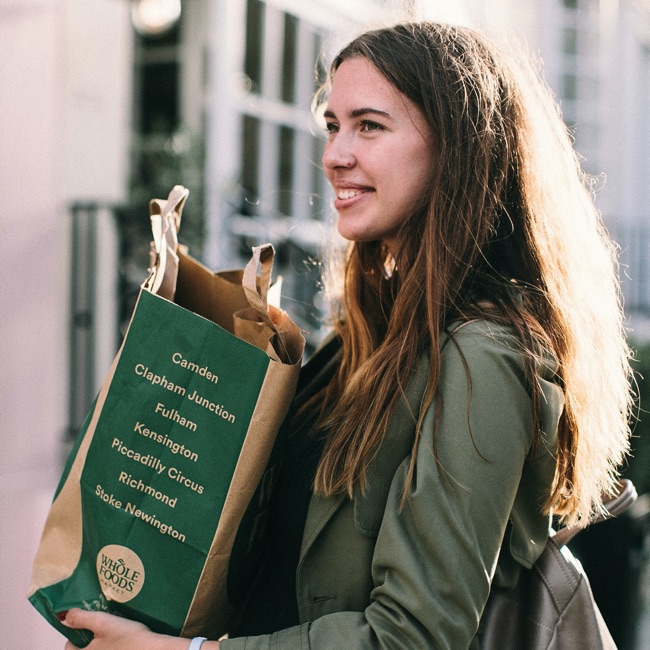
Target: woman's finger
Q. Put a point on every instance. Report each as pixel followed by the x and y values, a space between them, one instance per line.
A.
pixel 102 623
pixel 80 619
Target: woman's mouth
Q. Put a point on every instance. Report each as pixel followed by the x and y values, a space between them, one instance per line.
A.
pixel 348 197
pixel 348 194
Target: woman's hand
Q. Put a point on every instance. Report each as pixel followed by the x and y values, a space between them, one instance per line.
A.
pixel 117 633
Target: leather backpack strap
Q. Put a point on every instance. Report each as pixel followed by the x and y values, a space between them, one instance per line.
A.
pixel 613 506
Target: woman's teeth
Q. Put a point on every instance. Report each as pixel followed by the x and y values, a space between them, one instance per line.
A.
pixel 348 194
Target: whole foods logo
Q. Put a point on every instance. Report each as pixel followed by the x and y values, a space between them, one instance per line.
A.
pixel 120 572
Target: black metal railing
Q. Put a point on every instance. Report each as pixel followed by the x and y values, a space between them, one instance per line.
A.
pixel 82 314
pixel 634 242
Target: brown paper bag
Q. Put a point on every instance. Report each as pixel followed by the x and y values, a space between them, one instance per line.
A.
pixel 148 509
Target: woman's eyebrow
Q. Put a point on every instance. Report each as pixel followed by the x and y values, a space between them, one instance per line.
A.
pixel 359 112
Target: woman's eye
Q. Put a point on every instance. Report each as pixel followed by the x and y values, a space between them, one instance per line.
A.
pixel 331 127
pixel 369 125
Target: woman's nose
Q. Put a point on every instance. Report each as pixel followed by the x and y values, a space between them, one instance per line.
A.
pixel 338 153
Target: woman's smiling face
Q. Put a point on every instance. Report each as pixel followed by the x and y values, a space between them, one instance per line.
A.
pixel 378 154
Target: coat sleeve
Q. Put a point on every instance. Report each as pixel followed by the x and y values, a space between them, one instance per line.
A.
pixel 435 558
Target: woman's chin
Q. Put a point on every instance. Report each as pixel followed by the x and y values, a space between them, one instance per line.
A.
pixel 350 233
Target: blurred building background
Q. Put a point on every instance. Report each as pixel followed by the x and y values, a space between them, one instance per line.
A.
pixel 108 103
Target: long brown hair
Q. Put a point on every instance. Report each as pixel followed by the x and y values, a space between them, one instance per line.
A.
pixel 508 232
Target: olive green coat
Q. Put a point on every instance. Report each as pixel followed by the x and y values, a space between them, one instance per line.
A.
pixel 374 575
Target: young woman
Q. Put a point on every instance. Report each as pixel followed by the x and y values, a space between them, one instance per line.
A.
pixel 478 381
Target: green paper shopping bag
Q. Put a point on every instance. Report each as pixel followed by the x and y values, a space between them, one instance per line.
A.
pixel 179 438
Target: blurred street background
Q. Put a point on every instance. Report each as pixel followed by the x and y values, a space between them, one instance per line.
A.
pixel 105 104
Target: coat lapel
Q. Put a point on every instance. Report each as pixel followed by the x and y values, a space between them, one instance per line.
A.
pixel 321 510
pixel 396 446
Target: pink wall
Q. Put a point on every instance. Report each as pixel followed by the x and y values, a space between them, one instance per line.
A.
pixel 65 77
